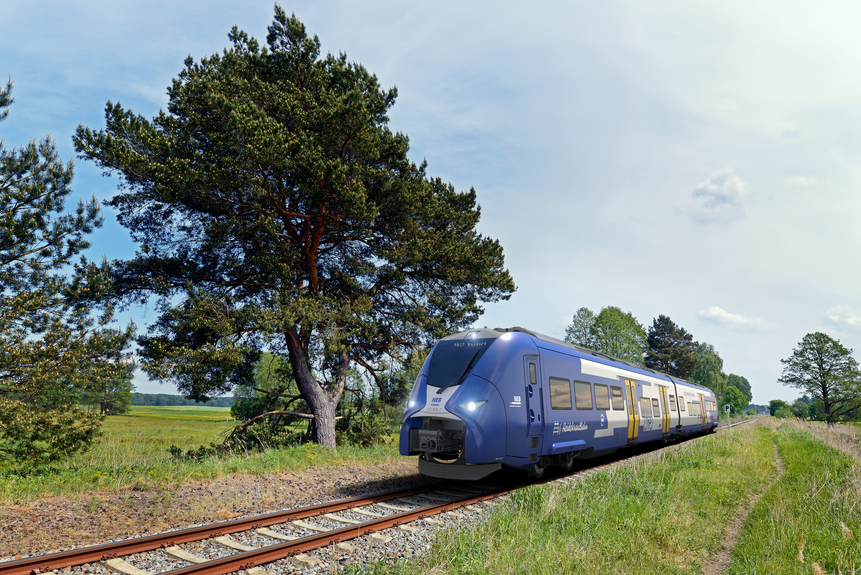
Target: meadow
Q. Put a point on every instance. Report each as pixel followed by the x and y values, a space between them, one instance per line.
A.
pixel 133 453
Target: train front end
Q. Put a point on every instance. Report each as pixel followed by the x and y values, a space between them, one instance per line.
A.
pixel 455 417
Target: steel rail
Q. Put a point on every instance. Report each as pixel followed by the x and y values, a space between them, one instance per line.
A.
pixel 248 559
pixel 50 561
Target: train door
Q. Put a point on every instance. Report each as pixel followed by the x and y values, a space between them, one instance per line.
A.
pixel 664 410
pixel 534 403
pixel 703 410
pixel 633 413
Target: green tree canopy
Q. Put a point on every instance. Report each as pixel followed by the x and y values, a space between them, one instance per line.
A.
pixel 736 400
pixel 276 211
pixel 51 348
pixel 612 332
pixel 710 371
pixel 800 409
pixel 822 367
pixel 742 384
pixel 618 334
pixel 110 396
pixel 776 404
pixel 579 332
pixel 671 348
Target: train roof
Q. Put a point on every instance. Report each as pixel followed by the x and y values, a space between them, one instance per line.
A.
pixel 497 332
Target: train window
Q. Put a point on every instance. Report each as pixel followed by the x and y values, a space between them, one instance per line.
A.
pixel 672 403
pixel 533 379
pixel 618 400
pixel 602 397
pixel 645 406
pixel 681 405
pixel 656 409
pixel 560 393
pixel 583 395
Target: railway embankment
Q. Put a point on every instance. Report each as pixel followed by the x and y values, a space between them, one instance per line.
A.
pixel 670 513
pixel 765 498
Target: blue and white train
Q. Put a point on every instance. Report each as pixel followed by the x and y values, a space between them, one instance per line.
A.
pixel 486 398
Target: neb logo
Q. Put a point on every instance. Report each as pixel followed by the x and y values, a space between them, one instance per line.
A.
pixel 436 399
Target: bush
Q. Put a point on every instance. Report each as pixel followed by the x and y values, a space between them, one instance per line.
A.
pixel 783 413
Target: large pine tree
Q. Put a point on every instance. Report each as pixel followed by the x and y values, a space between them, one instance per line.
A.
pixel 671 348
pixel 51 347
pixel 277 212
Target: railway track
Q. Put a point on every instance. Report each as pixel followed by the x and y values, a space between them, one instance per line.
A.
pixel 275 535
pixel 247 544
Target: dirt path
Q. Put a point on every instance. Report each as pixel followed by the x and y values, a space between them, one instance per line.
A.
pixel 719 561
pixel 56 523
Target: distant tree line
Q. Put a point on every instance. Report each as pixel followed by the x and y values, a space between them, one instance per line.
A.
pixel 164 399
pixel 664 347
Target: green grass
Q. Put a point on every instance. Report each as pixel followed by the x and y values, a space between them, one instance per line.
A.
pixel 133 454
pixel 665 513
pixel 811 515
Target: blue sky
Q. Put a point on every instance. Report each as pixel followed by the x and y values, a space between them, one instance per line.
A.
pixel 699 160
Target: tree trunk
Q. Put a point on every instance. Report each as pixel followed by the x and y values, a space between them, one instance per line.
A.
pixel 322 403
pixel 323 431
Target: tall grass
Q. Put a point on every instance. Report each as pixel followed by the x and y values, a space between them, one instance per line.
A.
pixel 665 513
pixel 133 455
pixel 810 520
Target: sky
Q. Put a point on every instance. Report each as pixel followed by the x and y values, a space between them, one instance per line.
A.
pixel 700 160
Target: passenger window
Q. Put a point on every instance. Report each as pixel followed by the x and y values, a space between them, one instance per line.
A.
pixel 583 395
pixel 656 409
pixel 602 397
pixel 681 405
pixel 560 393
pixel 672 403
pixel 533 379
pixel 618 400
pixel 645 406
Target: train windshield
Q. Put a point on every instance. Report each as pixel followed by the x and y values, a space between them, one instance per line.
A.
pixel 453 360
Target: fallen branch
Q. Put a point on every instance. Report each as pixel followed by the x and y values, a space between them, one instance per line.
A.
pixel 264 415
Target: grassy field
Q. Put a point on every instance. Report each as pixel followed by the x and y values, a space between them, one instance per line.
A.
pixel 133 454
pixel 810 520
pixel 668 514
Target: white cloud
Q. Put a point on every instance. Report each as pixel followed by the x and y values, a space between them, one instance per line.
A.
pixel 844 316
pixel 723 197
pixel 719 316
pixel 804 181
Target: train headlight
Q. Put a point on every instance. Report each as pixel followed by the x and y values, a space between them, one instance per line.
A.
pixel 412 403
pixel 472 405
